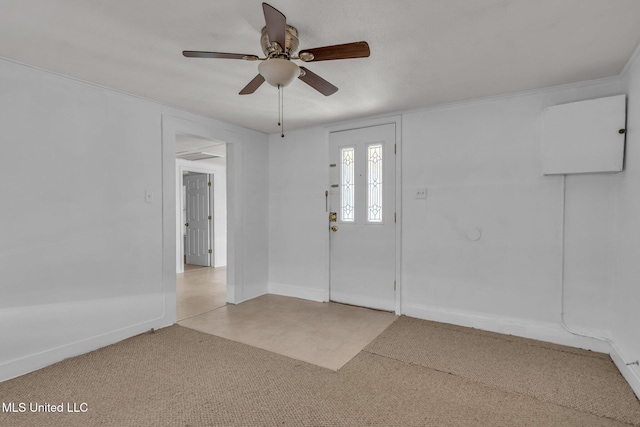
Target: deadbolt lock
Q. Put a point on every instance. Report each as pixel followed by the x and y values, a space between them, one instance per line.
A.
pixel 333 217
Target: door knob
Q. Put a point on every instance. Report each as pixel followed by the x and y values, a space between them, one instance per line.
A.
pixel 186 225
pixel 334 228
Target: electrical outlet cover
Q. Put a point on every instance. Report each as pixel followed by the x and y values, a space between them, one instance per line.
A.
pixel 421 193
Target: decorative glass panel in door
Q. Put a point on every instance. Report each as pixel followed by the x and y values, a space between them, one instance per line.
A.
pixel 347 184
pixel 374 183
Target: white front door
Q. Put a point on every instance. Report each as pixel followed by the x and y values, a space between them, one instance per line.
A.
pixel 363 235
pixel 197 219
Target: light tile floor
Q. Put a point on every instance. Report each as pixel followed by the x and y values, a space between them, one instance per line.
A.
pixel 199 290
pixel 324 334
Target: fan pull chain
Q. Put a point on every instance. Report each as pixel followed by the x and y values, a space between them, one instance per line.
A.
pixel 282 113
pixel 279 107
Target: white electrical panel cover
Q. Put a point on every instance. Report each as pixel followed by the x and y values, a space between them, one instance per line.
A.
pixel 584 137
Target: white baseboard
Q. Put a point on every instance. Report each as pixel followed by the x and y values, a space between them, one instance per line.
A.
pixel 319 295
pixel 629 372
pixel 537 330
pixel 38 335
pixel 231 292
pixel 543 331
pixel 33 362
pixel 250 292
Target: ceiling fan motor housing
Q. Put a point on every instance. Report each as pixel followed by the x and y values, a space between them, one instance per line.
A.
pixel 274 50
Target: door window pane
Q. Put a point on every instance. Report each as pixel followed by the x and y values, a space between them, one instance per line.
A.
pixel 347 184
pixel 374 183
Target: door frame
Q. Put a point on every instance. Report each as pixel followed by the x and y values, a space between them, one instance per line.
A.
pixel 172 126
pixel 359 124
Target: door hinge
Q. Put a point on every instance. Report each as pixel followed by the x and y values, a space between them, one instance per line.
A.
pixel 210 251
pixel 395 219
pixel 395 148
pixel 209 183
pixel 332 165
pixel 209 218
pixel 394 285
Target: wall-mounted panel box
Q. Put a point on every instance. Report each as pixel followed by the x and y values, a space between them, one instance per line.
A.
pixel 584 137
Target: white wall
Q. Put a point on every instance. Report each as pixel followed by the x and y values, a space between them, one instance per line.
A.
pixel 298 230
pixel 548 259
pixel 481 164
pixel 84 261
pixel 625 302
pixel 252 212
pixel 220 216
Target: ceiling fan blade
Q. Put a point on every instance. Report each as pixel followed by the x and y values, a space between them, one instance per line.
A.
pixel 317 82
pixel 276 25
pixel 253 85
pixel 200 54
pixel 338 51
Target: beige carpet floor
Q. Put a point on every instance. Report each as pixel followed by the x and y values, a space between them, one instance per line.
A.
pixel 182 377
pixel 571 377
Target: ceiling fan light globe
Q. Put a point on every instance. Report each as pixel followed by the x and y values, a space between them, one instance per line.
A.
pixel 278 71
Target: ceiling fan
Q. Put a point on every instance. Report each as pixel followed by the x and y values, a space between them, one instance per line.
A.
pixel 279 43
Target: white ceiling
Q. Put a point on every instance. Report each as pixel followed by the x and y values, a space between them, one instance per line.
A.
pixel 423 52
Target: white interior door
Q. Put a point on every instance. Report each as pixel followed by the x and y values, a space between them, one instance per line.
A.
pixel 197 219
pixel 362 196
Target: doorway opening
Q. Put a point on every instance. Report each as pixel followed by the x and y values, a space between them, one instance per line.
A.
pixel 202 246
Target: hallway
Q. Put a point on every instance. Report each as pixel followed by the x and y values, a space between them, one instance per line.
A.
pixel 199 290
